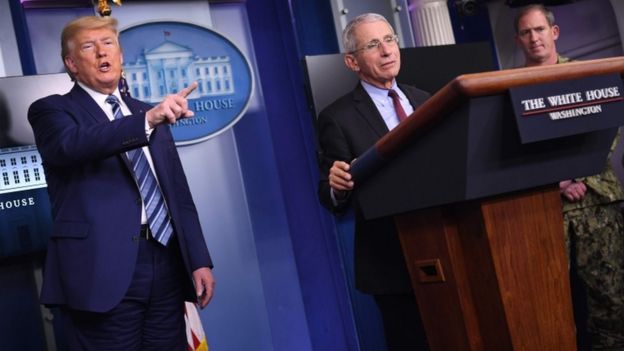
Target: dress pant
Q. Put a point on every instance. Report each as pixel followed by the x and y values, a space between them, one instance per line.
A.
pixel 149 317
pixel 403 327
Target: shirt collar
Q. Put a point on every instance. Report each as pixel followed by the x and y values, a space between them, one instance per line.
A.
pixel 561 59
pixel 99 97
pixel 378 93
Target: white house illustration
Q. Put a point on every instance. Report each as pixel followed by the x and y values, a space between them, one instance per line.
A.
pixel 170 67
pixel 20 169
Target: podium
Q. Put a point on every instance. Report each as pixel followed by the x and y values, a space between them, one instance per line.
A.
pixel 478 208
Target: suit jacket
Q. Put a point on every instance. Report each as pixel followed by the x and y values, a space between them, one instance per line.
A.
pixel 346 129
pixel 96 204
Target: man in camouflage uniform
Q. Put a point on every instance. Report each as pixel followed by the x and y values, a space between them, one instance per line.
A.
pixel 593 221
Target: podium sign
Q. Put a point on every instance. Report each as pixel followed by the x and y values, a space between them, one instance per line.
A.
pixel 568 107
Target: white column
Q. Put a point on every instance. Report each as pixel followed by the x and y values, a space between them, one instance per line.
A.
pixel 2 70
pixel 10 63
pixel 431 22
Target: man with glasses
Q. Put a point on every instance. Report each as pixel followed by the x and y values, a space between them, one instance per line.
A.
pixel 346 129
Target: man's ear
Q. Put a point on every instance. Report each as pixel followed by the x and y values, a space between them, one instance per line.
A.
pixel 555 30
pixel 70 64
pixel 351 62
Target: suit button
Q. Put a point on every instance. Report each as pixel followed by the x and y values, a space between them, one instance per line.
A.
pixel 135 238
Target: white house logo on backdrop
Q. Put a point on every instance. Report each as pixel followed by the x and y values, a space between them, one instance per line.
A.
pixel 20 169
pixel 162 58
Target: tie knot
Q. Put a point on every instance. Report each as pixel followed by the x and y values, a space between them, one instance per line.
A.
pixel 396 101
pixel 115 105
pixel 393 94
pixel 112 99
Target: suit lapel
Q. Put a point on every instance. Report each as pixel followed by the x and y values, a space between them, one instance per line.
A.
pixel 368 111
pixel 410 97
pixel 87 104
pixel 137 107
pixel 134 106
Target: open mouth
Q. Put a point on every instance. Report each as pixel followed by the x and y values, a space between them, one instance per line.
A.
pixel 105 67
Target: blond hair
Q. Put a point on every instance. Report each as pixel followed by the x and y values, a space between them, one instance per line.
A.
pixel 80 24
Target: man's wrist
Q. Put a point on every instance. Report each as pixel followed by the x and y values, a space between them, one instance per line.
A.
pixel 338 197
pixel 339 194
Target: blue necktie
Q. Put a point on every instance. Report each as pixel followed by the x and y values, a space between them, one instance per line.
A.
pixel 157 215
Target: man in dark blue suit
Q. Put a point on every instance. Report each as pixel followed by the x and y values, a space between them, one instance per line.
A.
pixel 118 287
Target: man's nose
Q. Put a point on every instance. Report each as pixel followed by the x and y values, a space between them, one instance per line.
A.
pixel 533 35
pixel 99 49
pixel 385 48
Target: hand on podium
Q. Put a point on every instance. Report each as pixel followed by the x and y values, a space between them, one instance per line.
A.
pixel 340 179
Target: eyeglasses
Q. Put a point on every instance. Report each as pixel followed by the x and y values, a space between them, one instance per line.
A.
pixel 375 43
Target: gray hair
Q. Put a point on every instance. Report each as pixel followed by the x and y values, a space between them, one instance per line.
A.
pixel 550 17
pixel 348 34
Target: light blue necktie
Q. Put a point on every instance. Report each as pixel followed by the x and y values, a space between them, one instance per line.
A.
pixel 157 215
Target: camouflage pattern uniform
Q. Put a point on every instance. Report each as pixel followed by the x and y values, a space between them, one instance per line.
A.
pixel 595 240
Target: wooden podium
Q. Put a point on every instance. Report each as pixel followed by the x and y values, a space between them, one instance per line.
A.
pixel 492 274
pixel 479 211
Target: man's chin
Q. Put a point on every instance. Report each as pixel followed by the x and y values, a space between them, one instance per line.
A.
pixel 390 74
pixel 538 57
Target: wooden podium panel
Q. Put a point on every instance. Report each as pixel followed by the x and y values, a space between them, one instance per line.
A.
pixel 492 274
